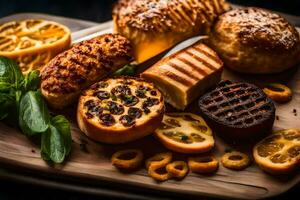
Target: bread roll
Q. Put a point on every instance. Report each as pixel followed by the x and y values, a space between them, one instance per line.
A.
pixel 154 26
pixel 256 41
pixel 64 77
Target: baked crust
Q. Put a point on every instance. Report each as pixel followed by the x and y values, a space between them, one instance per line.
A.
pixel 92 108
pixel 254 40
pixel 158 25
pixel 85 63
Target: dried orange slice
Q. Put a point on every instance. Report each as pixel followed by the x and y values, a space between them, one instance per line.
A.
pixel 185 133
pixel 279 153
pixel 33 42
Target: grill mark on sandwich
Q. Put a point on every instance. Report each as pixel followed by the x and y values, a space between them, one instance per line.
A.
pixel 208 65
pixel 192 65
pixel 176 78
pixel 182 70
pixel 213 57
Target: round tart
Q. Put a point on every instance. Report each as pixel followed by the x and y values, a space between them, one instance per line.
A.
pixel 185 133
pixel 119 110
pixel 279 153
pixel 238 111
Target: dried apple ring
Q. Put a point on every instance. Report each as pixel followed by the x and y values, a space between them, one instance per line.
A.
pixel 158 171
pixel 203 164
pixel 278 92
pixel 177 169
pixel 161 158
pixel 235 160
pixel 127 159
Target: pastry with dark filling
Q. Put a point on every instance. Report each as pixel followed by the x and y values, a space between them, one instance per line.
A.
pixel 119 110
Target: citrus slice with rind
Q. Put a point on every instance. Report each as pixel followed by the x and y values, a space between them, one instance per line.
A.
pixel 185 133
pixel 33 42
pixel 279 153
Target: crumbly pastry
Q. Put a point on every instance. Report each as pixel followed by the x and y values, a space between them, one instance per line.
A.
pixel 66 75
pixel 119 110
pixel 185 133
pixel 185 75
pixel 235 160
pixel 278 92
pixel 32 43
pixel 279 153
pixel 154 26
pixel 127 159
pixel 203 164
pixel 238 111
pixel 256 41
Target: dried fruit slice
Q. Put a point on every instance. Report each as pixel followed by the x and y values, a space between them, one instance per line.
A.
pixel 279 153
pixel 185 133
pixel 33 42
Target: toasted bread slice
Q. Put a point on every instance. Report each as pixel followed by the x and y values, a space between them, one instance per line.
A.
pixel 185 133
pixel 279 153
pixel 185 75
pixel 119 110
pixel 154 26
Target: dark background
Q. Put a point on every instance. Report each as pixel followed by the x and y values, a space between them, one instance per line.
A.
pixel 99 11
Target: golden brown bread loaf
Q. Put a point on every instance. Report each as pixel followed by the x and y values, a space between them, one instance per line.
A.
pixel 154 26
pixel 85 63
pixel 185 75
pixel 254 40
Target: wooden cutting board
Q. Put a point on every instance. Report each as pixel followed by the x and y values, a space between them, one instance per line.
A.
pixel 90 161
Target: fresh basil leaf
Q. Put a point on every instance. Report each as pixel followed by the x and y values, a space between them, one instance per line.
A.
pixel 57 148
pixel 45 145
pixel 13 110
pixel 5 86
pixel 7 101
pixel 127 70
pixel 63 126
pixel 10 72
pixel 34 116
pixel 31 81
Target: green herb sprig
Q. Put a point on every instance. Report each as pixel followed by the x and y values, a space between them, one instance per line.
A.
pixel 22 105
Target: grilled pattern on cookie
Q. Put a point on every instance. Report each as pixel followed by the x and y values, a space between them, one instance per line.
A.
pixel 238 110
pixel 82 65
pixel 121 109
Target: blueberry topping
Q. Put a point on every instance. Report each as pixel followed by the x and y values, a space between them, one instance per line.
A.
pixel 126 120
pixel 107 119
pixel 135 112
pixel 114 108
